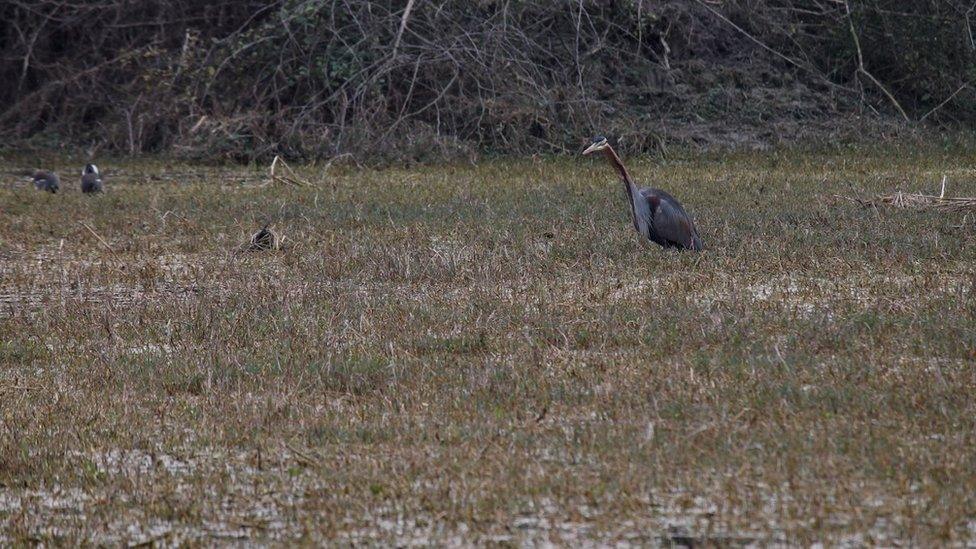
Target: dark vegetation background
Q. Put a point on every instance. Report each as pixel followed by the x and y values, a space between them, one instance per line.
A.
pixel 427 80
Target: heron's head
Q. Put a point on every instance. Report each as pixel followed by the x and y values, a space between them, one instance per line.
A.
pixel 599 143
pixel 90 168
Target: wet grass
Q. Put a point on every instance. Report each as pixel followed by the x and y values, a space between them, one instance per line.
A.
pixel 461 354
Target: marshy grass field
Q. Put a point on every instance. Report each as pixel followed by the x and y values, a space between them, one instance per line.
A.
pixel 490 355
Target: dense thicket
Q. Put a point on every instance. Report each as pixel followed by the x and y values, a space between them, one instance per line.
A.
pixel 398 79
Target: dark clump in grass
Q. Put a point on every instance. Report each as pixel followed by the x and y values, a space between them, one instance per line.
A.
pixel 473 355
pixel 264 239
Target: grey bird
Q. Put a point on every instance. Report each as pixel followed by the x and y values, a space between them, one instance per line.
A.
pixel 657 215
pixel 91 180
pixel 46 181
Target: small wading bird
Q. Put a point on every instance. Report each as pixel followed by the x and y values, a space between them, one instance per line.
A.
pixel 91 181
pixel 46 181
pixel 657 215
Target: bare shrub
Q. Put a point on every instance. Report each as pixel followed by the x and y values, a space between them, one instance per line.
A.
pixel 318 78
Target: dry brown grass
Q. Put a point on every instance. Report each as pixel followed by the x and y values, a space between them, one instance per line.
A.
pixel 919 201
pixel 487 354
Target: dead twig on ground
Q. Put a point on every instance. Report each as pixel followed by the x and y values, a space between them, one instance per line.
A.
pixel 289 176
pixel 96 235
pixel 918 201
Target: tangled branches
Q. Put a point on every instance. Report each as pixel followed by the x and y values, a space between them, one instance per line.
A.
pixel 419 79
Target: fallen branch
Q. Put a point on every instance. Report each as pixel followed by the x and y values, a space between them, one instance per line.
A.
pixel 289 176
pixel 918 201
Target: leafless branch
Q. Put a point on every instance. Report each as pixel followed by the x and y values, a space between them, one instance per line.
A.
pixel 403 25
pixel 864 71
pixel 944 102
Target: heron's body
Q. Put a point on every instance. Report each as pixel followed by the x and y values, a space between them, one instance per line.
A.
pixel 656 215
pixel 91 180
pixel 670 226
pixel 46 181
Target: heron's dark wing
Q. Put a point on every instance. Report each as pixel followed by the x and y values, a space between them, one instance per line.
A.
pixel 670 224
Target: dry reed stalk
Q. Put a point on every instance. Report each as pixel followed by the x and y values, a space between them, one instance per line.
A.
pixel 919 201
pixel 289 176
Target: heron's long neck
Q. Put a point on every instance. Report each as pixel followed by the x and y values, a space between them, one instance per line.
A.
pixel 616 163
pixel 628 183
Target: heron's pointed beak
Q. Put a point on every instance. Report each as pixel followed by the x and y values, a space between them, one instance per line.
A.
pixel 592 149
